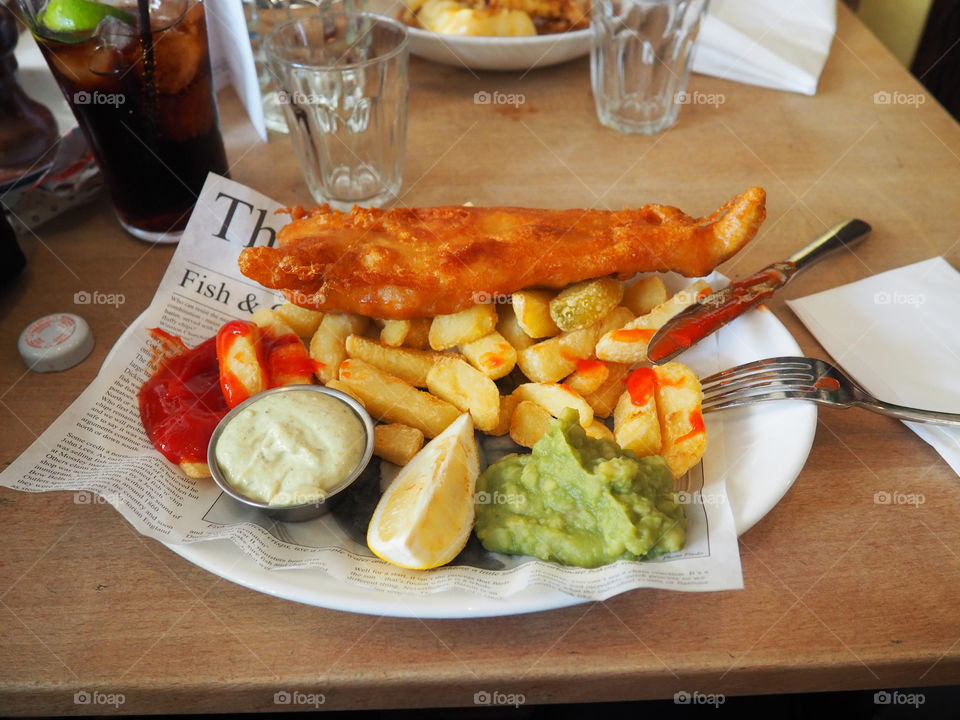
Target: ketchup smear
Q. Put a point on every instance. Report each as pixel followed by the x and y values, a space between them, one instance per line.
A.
pixel 182 404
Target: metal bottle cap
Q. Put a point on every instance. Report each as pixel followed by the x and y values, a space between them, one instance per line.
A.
pixel 55 342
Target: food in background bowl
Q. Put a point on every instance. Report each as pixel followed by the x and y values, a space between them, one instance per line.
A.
pixel 497 18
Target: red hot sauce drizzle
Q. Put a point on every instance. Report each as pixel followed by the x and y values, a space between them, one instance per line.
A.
pixel 696 423
pixel 641 384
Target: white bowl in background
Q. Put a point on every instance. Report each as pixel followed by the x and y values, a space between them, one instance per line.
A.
pixel 490 53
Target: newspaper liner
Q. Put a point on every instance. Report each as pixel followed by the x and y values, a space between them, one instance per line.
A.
pixel 98 445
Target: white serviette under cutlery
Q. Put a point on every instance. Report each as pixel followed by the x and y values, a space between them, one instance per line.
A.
pixel 898 334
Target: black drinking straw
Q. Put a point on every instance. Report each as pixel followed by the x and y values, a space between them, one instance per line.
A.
pixel 149 74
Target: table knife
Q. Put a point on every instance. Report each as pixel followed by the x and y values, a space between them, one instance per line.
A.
pixel 712 312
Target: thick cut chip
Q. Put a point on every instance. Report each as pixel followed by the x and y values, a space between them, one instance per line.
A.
pixel 328 344
pixel 635 420
pixel 588 377
pixel 396 442
pixel 303 321
pixel 645 294
pixel 528 423
pixel 508 403
pixel 555 398
pixel 195 470
pixel 418 336
pixel 615 319
pixel 407 364
pixel 394 332
pixel 287 359
pixel 466 388
pixel 508 326
pixel 532 310
pixel 447 331
pixel 681 418
pixel 243 370
pixel 604 399
pixel 390 399
pixel 553 359
pixel 492 355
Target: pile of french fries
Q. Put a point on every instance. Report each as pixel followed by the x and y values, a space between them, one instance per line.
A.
pixel 574 348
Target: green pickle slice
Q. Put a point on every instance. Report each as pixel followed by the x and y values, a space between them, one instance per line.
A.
pixel 579 501
pixel 79 15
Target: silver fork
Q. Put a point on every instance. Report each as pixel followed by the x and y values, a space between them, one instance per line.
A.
pixel 803 378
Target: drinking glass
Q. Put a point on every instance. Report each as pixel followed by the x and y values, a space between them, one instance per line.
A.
pixel 139 84
pixel 640 60
pixel 262 17
pixel 342 82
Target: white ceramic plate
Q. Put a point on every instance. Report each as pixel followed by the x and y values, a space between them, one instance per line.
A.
pixel 765 449
pixel 499 53
pixel 491 53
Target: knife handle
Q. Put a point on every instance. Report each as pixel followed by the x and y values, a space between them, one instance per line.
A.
pixel 842 235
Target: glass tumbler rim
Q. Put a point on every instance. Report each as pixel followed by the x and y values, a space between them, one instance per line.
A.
pixel 271 40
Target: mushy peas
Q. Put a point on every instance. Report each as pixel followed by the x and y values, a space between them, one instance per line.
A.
pixel 579 501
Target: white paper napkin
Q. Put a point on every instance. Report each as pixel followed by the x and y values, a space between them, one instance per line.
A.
pixel 780 44
pixel 897 334
pixel 232 56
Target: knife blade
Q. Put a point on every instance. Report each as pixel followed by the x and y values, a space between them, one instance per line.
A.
pixel 713 311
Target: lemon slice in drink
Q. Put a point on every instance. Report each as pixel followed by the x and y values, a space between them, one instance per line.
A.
pixel 75 15
pixel 424 518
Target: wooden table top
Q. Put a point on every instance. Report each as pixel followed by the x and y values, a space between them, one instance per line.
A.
pixel 840 592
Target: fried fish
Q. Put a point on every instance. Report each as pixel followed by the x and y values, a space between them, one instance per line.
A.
pixel 420 262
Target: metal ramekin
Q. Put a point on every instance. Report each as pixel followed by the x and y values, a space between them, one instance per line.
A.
pixel 303 511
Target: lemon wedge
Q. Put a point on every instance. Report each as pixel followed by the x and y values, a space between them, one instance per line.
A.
pixel 424 518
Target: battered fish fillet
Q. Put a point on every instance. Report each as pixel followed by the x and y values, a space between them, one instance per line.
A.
pixel 420 262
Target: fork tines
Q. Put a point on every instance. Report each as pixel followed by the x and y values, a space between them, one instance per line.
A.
pixel 770 379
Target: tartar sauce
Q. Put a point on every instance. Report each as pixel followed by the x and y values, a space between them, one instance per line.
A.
pixel 291 447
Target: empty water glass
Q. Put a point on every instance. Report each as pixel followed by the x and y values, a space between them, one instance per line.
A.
pixel 342 83
pixel 640 60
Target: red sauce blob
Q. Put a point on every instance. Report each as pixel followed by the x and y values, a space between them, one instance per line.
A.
pixel 634 335
pixel 827 383
pixel 676 382
pixel 590 367
pixel 491 360
pixel 641 384
pixel 696 422
pixel 181 403
pixel 287 358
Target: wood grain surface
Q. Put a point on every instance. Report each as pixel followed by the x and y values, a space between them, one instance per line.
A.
pixel 840 592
